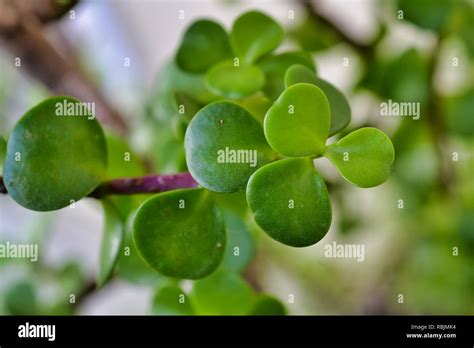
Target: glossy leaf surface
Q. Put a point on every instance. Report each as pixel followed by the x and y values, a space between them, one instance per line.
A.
pixel 290 202
pixel 180 233
pixel 363 157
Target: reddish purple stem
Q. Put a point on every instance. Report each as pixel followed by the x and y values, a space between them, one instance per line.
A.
pixel 145 184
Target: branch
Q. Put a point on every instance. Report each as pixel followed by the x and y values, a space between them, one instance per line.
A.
pixel 130 186
pixel 14 12
pixel 146 184
pixel 21 32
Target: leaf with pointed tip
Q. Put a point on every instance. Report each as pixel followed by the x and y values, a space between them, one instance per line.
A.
pixel 223 293
pixel 204 44
pixel 254 34
pixel 53 159
pixel 298 122
pixel 180 233
pixel 290 202
pixel 169 299
pixel 338 104
pixel 218 132
pixel 363 157
pixel 112 240
pixel 234 82
pixel 268 305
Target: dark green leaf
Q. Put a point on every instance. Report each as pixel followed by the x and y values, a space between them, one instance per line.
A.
pixel 298 122
pixel 223 293
pixel 403 78
pixel 267 305
pixel 169 299
pixel 257 104
pixel 180 233
pixel 54 160
pixel 123 162
pixel 112 241
pixel 204 44
pixel 290 202
pixel 224 146
pixel 275 66
pixel 312 35
pixel 21 298
pixel 240 247
pixel 131 267
pixel 234 82
pixel 338 104
pixel 458 113
pixel 254 34
pixel 363 157
pixel 428 14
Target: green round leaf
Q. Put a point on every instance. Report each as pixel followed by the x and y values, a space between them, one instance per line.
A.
pixel 54 160
pixel 204 44
pixel 180 233
pixel 278 64
pixel 234 82
pixel 312 34
pixel 223 293
pixel 298 122
pixel 169 299
pixel 275 66
pixel 240 246
pixel 268 305
pixel 254 34
pixel 224 146
pixel 363 157
pixel 21 298
pixel 290 202
pixel 339 106
pixel 112 240
pixel 130 265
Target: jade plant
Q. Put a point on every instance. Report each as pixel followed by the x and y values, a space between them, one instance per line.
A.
pixel 252 125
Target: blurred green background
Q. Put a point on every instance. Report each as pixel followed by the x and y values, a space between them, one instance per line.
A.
pixel 417 228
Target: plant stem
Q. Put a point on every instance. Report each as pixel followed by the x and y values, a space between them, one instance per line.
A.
pixel 22 33
pixel 145 184
pixel 130 186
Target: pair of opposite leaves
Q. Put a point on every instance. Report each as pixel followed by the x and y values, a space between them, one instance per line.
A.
pixel 288 197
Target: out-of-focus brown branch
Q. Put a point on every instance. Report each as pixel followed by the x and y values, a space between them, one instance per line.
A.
pixel 21 32
pixel 13 12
